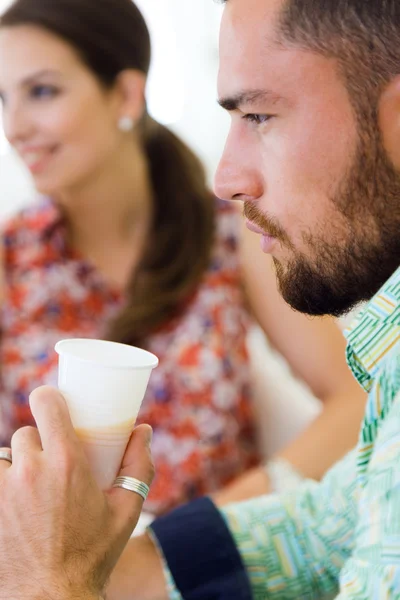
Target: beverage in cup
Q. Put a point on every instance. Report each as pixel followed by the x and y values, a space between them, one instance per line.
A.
pixel 103 384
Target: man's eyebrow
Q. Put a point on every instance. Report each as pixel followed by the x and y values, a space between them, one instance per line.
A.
pixel 248 98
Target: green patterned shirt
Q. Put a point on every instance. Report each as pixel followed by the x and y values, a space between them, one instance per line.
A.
pixel 341 537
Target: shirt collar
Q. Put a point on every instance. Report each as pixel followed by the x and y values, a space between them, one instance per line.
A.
pixel 374 332
pixel 49 218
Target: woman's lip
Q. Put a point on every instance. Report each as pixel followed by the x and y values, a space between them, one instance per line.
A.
pixel 37 159
pixel 35 166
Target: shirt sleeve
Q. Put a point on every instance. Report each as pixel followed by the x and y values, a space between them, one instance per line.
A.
pixel 203 561
pixel 374 569
pixel 279 547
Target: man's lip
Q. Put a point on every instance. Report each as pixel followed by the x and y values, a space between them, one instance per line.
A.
pixel 250 225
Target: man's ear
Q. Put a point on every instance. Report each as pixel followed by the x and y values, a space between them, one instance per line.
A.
pixel 130 88
pixel 389 120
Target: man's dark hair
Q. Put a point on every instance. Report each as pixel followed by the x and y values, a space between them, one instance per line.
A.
pixel 363 35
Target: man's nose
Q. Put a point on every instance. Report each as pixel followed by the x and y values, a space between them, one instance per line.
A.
pixel 238 176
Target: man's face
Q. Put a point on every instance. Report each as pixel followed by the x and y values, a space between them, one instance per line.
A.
pixel 295 156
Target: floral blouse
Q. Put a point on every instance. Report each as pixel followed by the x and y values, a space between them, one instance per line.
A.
pixel 199 398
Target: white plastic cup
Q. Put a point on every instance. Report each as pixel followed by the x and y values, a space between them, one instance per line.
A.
pixel 103 384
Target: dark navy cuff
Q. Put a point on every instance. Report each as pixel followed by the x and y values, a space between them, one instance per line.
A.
pixel 201 553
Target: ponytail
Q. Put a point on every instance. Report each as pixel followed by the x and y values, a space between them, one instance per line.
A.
pixel 179 245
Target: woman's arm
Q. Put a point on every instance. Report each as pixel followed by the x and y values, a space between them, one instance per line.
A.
pixel 315 350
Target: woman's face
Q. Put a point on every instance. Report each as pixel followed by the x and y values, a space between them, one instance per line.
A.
pixel 56 114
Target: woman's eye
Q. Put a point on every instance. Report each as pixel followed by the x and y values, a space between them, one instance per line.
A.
pixel 43 91
pixel 257 119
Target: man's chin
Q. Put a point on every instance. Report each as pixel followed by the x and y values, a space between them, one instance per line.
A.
pixel 317 306
pixel 311 294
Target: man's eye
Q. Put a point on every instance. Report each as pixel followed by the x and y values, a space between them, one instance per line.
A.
pixel 43 91
pixel 257 119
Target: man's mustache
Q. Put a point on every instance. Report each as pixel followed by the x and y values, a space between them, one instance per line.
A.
pixel 264 222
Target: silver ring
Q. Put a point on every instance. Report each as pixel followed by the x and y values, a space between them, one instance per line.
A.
pixel 6 455
pixel 132 485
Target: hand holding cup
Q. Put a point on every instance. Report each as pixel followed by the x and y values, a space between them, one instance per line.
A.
pixel 55 522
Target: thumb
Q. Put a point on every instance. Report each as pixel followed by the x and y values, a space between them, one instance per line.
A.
pixel 137 463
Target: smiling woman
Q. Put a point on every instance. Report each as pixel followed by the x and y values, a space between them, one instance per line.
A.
pixel 184 65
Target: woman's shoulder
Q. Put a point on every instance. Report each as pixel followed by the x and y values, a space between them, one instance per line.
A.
pixel 34 218
pixel 26 230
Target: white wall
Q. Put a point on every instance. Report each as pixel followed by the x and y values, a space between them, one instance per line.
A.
pixel 16 189
pixel 191 28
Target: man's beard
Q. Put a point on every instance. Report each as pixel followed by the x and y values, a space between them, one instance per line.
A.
pixel 364 246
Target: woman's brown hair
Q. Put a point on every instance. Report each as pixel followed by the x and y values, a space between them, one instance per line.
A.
pixel 111 36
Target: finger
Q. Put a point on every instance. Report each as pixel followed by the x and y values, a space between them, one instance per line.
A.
pixel 137 462
pixel 52 418
pixel 25 441
pixel 4 464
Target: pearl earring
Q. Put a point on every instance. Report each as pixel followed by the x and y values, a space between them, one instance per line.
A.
pixel 126 124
